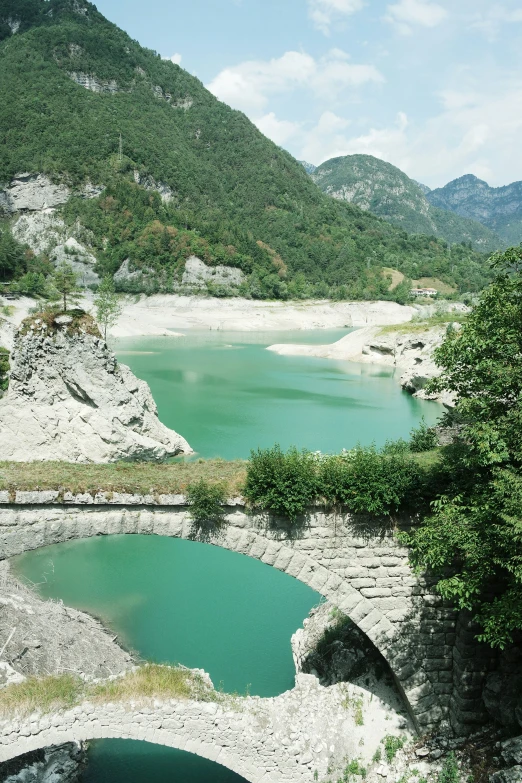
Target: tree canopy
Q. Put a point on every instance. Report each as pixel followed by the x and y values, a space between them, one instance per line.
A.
pixel 475 528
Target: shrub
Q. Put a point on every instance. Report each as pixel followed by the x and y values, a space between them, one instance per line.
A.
pixel 366 481
pixel 450 771
pixel 283 483
pixel 206 501
pixel 423 438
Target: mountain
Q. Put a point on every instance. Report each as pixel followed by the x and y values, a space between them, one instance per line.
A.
pixel 386 191
pixel 500 209
pixel 157 170
pixel 308 167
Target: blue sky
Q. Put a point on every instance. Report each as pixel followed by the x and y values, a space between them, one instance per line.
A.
pixel 432 86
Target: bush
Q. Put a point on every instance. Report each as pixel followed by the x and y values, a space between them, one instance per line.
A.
pixel 207 510
pixel 363 481
pixel 366 481
pixel 423 438
pixel 450 771
pixel 283 483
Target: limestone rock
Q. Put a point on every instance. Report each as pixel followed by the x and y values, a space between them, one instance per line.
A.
pixel 69 399
pixel 197 274
pixel 79 259
pixel 149 183
pixel 92 83
pixel 32 192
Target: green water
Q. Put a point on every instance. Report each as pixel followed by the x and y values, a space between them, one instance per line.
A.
pixel 178 601
pixel 226 394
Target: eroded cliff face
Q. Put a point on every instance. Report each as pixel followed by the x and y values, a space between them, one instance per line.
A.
pixel 69 399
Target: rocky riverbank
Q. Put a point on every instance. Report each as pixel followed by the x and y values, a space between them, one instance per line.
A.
pixel 41 638
pixel 408 349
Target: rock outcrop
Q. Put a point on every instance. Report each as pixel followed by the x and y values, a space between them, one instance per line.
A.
pixel 410 351
pixel 197 274
pixel 32 192
pixel 45 637
pixel 69 399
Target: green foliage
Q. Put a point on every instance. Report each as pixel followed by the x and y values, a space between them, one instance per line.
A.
pixel 400 200
pixel 363 480
pixel 206 507
pixel 377 756
pixel 13 257
pixel 450 771
pixel 4 369
pixel 108 307
pixel 65 280
pixel 473 539
pixel 237 198
pixel 283 483
pixel 423 438
pixel 392 745
pixel 353 769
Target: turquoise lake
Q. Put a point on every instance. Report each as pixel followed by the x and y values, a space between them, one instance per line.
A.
pixel 179 601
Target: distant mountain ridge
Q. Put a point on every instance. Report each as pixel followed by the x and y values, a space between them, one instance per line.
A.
pixel 386 191
pixel 500 209
pixel 178 173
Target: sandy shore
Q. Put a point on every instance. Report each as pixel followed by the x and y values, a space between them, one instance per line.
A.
pixel 171 315
pixel 349 348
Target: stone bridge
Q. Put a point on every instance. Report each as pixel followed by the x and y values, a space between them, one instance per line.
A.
pixel 355 562
pixel 284 739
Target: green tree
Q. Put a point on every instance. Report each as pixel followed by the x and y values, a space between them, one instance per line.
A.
pixel 65 280
pixel 475 529
pixel 108 306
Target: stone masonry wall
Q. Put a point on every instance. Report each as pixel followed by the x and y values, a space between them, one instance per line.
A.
pixel 355 562
pixel 288 739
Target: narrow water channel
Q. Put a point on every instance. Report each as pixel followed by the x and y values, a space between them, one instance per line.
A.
pixel 177 601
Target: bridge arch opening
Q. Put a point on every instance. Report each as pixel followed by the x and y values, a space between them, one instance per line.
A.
pixel 354 563
pixel 132 761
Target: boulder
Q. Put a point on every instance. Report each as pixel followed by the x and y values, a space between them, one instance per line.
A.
pixel 69 399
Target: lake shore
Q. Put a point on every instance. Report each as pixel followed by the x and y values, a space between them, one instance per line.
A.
pixel 171 314
pixel 168 314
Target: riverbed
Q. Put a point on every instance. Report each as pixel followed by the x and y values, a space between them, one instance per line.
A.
pixel 183 602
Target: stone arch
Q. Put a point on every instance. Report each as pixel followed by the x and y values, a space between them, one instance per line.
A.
pixel 355 563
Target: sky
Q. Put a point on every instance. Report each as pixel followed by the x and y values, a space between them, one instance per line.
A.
pixel 432 86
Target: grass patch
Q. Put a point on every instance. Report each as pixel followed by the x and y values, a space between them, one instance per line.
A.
pixel 433 282
pixel 141 478
pixel 418 324
pixel 41 694
pixel 61 692
pixel 147 682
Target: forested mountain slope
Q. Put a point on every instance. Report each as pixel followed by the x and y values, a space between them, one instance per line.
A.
pixel 386 191
pixel 71 82
pixel 498 208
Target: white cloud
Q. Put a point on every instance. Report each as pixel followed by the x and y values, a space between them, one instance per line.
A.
pixel 249 85
pixel 406 13
pixel 491 21
pixel 175 58
pixel 279 131
pixel 324 12
pixel 474 133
